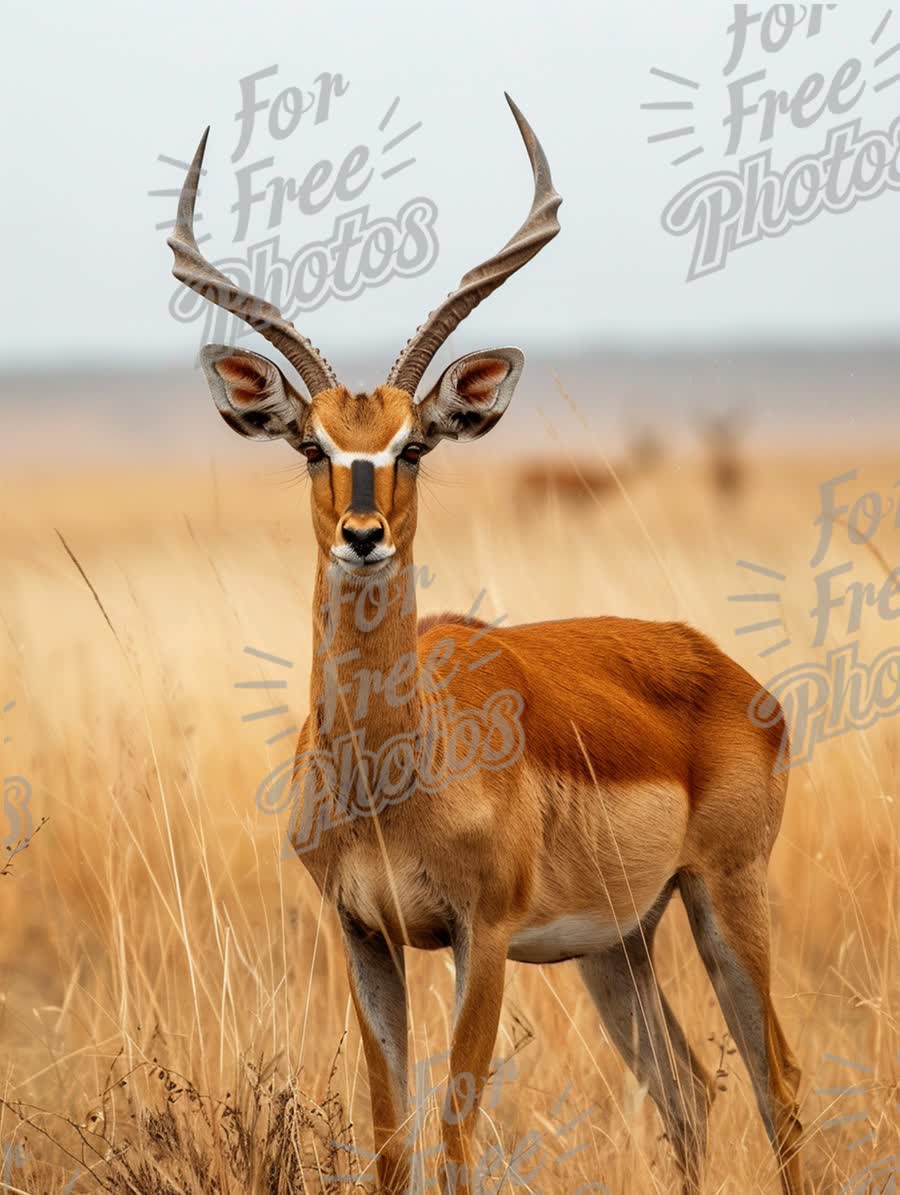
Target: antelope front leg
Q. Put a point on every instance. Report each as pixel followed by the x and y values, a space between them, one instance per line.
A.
pixel 480 957
pixel 378 986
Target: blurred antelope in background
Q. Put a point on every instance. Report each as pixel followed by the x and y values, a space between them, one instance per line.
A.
pixel 578 482
pixel 639 773
pixel 723 434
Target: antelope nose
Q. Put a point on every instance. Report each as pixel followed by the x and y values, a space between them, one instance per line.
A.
pixel 362 541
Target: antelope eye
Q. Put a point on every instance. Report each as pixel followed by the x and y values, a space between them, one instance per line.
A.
pixel 412 453
pixel 312 452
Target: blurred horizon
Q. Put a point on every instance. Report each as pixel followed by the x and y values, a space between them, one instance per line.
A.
pixel 579 348
pixel 578 405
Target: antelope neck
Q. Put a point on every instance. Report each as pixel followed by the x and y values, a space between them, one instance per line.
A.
pixel 364 665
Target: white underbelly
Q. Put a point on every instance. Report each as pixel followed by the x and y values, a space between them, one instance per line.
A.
pixel 566 937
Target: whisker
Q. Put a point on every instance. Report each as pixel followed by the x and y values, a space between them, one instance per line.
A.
pixel 269 713
pixel 668 106
pixel 754 597
pixel 473 609
pixel 837 1121
pixel 882 58
pixel 776 647
pixel 692 153
pixel 876 36
pixel 854 1066
pixel 759 626
pixel 861 1140
pixel 167 193
pixel 282 734
pixel 392 170
pixel 395 141
pixel 679 79
pixel 758 568
pixel 671 134
pixel 570 1153
pixel 388 116
pixel 185 166
pixel 265 655
pixel 554 1111
pixel 567 1128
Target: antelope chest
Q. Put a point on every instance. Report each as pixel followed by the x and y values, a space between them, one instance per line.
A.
pixel 394 895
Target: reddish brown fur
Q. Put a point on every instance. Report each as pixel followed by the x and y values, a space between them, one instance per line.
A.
pixel 639 770
pixel 641 694
pixel 428 621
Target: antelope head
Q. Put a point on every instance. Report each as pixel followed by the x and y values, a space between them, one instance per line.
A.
pixel 363 451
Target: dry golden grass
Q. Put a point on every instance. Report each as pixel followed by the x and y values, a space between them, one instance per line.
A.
pixel 151 931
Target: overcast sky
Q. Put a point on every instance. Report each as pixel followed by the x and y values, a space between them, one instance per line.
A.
pixel 96 92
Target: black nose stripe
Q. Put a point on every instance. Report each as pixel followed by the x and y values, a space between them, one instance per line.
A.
pixel 362 487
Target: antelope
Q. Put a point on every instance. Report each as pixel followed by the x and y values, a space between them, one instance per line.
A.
pixel 722 433
pixel 637 770
pixel 588 482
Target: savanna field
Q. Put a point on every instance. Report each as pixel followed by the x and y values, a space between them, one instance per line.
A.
pixel 175 1013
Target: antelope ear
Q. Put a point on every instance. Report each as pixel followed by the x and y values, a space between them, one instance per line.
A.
pixel 253 395
pixel 471 395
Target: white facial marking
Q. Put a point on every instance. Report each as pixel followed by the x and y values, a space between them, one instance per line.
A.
pixel 360 577
pixel 375 562
pixel 337 456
